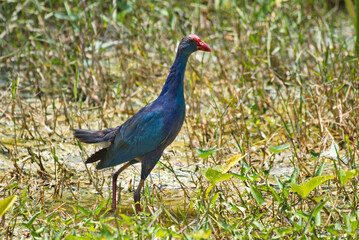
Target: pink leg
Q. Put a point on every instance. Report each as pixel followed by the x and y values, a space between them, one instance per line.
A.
pixel 114 181
pixel 137 196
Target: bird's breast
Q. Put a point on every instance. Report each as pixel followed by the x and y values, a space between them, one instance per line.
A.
pixel 173 121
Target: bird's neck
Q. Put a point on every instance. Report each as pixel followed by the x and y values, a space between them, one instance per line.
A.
pixel 174 82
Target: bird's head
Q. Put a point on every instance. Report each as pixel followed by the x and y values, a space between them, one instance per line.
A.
pixel 192 43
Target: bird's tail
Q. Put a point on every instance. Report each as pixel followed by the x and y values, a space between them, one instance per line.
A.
pixel 99 155
pixel 89 136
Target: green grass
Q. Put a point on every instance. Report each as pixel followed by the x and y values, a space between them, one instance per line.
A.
pixel 279 91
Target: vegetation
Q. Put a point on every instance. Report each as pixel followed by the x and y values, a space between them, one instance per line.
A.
pixel 270 144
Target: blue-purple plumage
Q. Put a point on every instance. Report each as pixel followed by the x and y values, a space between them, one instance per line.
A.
pixel 144 136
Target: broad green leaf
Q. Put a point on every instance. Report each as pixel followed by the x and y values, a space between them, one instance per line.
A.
pixel 283 231
pixel 319 207
pixel 279 148
pixel 59 234
pixel 12 186
pixel 304 189
pixel 218 168
pixel 348 223
pixel 345 176
pixel 332 231
pixel 205 234
pixel 332 152
pixel 258 225
pixel 128 220
pixel 257 195
pixel 32 220
pixel 208 191
pixel 99 207
pixel 318 220
pixel 254 177
pixel 6 204
pixel 24 192
pixel 84 211
pixel 275 194
pixel 279 182
pixel 215 176
pixel 294 176
pixel 224 225
pixel 161 233
pixel 214 198
pixel 241 177
pixel 314 154
pixel 232 161
pixel 320 170
pixel 245 166
pixel 266 172
pixel 315 214
pixel 305 216
pixel 318 199
pixel 205 153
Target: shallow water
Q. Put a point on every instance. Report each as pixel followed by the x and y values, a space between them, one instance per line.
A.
pixel 69 157
pixel 178 155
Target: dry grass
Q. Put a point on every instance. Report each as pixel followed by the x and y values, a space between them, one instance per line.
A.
pixel 280 73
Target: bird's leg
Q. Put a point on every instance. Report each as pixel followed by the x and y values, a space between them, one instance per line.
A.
pixel 148 162
pixel 114 182
pixel 137 196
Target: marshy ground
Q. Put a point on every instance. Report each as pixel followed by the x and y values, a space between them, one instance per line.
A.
pixel 272 107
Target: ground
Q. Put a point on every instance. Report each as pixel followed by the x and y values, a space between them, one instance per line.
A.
pixel 274 106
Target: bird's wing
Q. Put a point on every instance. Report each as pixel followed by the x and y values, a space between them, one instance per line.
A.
pixel 89 136
pixel 139 135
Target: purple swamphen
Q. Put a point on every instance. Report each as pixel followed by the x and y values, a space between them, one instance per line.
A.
pixel 144 136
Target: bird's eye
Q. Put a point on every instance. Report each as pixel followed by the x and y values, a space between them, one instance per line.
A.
pixel 193 41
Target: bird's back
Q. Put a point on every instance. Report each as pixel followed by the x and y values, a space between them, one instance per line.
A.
pixel 153 128
pixel 147 133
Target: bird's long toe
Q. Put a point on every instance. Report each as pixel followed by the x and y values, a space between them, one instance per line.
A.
pixel 138 207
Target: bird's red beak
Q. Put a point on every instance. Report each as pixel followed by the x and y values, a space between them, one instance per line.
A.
pixel 202 46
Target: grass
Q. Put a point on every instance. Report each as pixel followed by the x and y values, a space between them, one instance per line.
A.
pixel 276 102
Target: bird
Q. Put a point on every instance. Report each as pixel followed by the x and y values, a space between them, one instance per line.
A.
pixel 144 136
